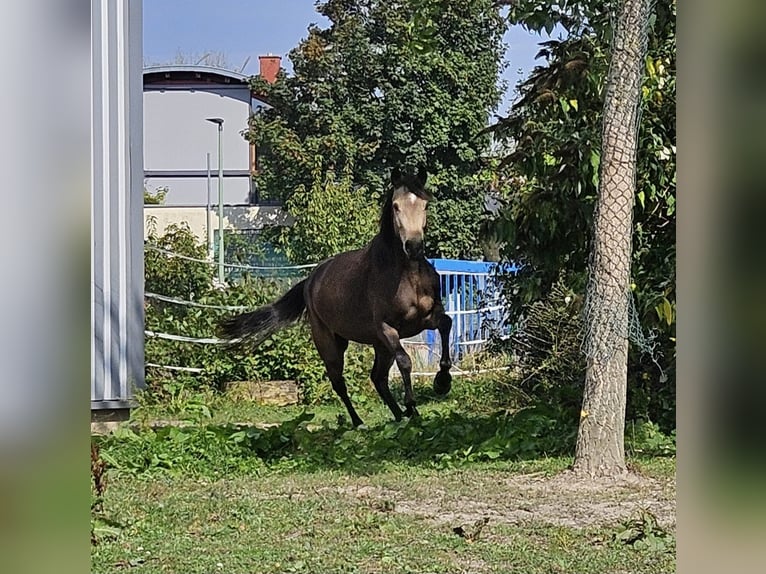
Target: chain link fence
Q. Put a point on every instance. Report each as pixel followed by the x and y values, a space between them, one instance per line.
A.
pixel 610 318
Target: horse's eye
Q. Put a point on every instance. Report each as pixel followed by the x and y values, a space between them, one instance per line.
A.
pixel 396 207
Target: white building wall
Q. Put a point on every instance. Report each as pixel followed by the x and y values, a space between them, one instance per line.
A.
pixel 177 136
pixel 177 139
pixel 192 191
pixel 159 217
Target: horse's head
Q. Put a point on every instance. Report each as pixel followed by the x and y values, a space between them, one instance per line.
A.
pixel 409 201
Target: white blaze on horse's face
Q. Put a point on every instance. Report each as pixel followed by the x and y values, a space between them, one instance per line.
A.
pixel 409 212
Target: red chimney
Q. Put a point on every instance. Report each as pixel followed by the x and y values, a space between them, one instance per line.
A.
pixel 269 67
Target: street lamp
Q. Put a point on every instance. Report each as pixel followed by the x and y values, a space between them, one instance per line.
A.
pixel 219 121
pixel 209 214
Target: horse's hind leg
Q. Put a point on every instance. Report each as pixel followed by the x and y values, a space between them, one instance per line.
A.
pixel 331 349
pixel 390 338
pixel 379 376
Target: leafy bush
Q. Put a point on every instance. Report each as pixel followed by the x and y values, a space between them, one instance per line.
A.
pixel 550 364
pixel 175 276
pixel 332 215
pixel 156 197
pixel 644 533
pixel 646 438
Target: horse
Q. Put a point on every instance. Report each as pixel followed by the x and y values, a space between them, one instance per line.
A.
pixel 377 295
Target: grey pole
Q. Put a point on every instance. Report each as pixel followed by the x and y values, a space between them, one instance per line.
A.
pixel 209 212
pixel 219 121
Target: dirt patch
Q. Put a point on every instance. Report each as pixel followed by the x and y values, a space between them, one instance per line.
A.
pixel 561 500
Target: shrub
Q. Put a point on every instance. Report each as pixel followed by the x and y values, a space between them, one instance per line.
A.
pixel 550 364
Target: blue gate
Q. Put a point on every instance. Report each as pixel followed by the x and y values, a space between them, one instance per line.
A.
pixel 472 297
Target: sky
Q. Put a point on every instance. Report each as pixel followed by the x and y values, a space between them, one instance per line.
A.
pixel 242 29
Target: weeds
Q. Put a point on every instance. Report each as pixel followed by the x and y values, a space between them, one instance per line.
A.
pixel 101 527
pixel 644 533
pixel 645 438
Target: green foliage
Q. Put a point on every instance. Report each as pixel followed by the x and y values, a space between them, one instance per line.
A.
pixel 102 527
pixel 405 84
pixel 175 276
pixel 645 438
pixel 643 533
pixel 437 439
pixel 552 179
pixel 331 216
pixel 547 346
pixel 287 355
pixel 157 197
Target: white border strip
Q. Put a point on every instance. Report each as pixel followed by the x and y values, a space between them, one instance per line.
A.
pixel 204 341
pixel 194 303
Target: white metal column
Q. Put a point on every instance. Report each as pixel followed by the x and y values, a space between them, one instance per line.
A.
pixel 117 271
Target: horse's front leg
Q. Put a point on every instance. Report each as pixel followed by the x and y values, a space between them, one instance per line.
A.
pixel 443 379
pixel 390 338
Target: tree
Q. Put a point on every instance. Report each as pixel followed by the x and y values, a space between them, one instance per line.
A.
pixel 552 177
pixel 332 217
pixel 408 84
pixel 600 441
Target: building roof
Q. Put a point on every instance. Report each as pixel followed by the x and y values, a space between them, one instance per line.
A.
pixel 190 74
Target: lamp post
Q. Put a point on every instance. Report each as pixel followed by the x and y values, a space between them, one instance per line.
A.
pixel 219 121
pixel 209 214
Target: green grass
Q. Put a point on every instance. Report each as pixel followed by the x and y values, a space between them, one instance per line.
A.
pixel 331 522
pixel 315 496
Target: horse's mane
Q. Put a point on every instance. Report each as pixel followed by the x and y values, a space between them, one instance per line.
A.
pixel 414 185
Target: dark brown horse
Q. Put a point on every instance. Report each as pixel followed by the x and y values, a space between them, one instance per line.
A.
pixel 377 295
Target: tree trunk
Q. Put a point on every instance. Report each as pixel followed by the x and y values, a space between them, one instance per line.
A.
pixel 600 447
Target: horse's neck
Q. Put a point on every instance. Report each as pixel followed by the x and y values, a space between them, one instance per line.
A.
pixel 393 257
pixel 389 254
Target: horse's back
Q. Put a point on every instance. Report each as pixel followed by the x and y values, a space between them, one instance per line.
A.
pixel 337 296
pixel 352 293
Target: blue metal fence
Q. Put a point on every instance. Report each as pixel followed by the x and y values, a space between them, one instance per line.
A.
pixel 472 298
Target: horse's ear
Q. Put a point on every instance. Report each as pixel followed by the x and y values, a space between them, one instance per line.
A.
pixel 422 176
pixel 396 176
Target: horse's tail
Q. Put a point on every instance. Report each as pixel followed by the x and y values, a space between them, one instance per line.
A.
pixel 267 320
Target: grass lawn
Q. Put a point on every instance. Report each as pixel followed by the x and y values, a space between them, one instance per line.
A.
pixel 397 497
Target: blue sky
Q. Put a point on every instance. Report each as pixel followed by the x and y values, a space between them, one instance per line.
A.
pixel 249 28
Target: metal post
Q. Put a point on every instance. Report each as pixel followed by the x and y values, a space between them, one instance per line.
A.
pixel 209 212
pixel 220 204
pixel 219 122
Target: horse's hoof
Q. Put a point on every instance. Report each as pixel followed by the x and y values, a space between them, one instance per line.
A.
pixel 356 422
pixel 442 382
pixel 412 412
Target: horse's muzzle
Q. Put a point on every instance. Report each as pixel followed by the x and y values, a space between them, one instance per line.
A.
pixel 413 248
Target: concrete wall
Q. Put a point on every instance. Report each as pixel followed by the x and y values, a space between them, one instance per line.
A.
pixel 239 217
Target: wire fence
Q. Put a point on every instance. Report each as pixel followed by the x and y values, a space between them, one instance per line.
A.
pixel 610 319
pixel 467 291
